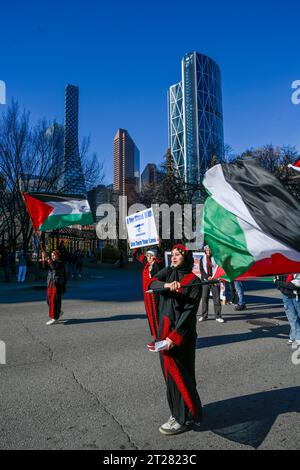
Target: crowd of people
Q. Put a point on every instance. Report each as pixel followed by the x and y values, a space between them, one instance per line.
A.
pixel 73 259
pixel 15 265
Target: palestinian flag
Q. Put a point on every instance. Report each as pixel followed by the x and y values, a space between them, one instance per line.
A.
pixel 50 212
pixel 250 221
pixel 295 166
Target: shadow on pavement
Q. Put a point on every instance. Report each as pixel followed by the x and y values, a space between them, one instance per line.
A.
pixel 260 299
pixel 248 419
pixel 258 285
pixel 250 314
pixel 279 332
pixel 80 321
pixel 263 307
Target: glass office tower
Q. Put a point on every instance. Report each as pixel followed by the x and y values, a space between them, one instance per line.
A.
pixel 195 117
pixel 72 181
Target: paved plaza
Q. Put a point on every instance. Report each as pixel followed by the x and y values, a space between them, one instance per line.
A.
pixel 90 383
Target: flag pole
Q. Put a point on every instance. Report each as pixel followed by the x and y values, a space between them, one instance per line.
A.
pixel 34 230
pixel 201 283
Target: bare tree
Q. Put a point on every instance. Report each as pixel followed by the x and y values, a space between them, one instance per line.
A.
pixel 30 161
pixel 93 169
pixel 276 160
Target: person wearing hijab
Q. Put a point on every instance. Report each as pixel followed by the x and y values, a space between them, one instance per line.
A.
pixel 151 267
pixel 56 285
pixel 178 308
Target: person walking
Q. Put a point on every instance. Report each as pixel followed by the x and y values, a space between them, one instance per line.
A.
pixel 73 257
pixel 238 285
pixel 22 266
pixel 208 268
pixel 56 285
pixel 7 264
pixel 79 264
pixel 289 286
pixel 178 308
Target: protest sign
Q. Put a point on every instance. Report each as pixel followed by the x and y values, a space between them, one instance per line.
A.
pixel 142 229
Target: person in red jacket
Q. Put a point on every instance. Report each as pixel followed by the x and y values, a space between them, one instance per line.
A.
pixel 151 266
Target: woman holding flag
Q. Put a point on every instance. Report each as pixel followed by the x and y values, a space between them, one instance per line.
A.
pixel 56 285
pixel 178 308
pixel 50 212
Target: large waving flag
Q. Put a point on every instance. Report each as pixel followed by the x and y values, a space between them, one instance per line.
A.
pixel 50 212
pixel 295 166
pixel 250 221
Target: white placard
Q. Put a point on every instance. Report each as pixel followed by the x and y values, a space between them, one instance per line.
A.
pixel 142 229
pixel 197 255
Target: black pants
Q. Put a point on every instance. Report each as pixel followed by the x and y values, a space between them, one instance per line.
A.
pixel 234 295
pixel 216 299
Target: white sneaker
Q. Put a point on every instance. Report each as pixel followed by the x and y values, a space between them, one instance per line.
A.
pixel 220 320
pixel 290 341
pixel 172 427
pixel 52 322
pixel 202 319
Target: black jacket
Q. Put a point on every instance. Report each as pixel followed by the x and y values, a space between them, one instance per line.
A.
pixel 286 288
pixel 57 274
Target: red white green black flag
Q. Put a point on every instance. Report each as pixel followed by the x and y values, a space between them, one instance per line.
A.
pixel 250 221
pixel 50 212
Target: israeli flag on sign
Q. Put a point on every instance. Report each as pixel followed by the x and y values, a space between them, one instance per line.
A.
pixel 141 229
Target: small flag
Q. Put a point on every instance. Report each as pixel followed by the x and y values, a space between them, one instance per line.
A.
pixel 250 221
pixel 295 166
pixel 50 212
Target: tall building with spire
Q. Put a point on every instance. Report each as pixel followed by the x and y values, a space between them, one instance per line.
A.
pixel 55 136
pixel 126 165
pixel 195 117
pixel 72 180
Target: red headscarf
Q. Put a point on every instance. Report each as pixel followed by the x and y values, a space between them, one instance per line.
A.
pixel 181 248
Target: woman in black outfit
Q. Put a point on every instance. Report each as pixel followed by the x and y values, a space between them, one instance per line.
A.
pixel 56 285
pixel 177 325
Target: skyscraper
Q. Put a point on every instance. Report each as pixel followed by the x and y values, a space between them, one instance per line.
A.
pixel 126 165
pixel 195 117
pixel 2 92
pixel 150 176
pixel 72 180
pixel 55 135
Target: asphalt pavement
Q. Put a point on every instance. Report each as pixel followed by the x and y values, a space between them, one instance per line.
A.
pixel 90 383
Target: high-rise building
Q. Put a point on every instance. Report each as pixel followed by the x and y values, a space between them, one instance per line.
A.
pixel 55 135
pixel 150 176
pixel 195 117
pixel 72 180
pixel 2 92
pixel 101 194
pixel 126 165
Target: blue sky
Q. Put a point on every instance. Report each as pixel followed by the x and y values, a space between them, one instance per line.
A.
pixel 125 55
